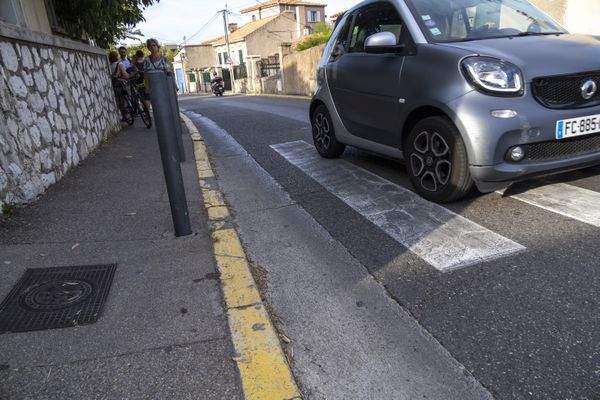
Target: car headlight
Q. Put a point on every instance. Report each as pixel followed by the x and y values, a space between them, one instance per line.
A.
pixel 493 76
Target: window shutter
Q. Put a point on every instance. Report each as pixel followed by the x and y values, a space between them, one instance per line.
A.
pixel 308 16
pixel 318 16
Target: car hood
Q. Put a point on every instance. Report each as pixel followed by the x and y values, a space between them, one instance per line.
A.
pixel 539 56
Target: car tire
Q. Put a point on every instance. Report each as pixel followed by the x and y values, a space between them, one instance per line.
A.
pixel 436 160
pixel 323 134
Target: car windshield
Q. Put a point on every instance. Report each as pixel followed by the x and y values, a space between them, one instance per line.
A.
pixel 461 20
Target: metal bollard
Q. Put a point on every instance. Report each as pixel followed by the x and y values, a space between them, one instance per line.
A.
pixel 175 111
pixel 160 95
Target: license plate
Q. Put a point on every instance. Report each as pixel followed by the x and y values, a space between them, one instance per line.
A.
pixel 568 128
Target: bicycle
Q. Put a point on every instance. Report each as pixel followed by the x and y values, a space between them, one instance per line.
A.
pixel 134 104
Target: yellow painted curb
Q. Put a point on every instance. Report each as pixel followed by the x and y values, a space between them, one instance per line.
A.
pixel 264 371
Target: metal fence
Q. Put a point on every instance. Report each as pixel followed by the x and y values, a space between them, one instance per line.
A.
pixel 269 69
pixel 240 71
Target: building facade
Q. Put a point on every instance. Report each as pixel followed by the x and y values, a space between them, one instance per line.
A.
pixel 257 39
pixel 305 14
pixel 191 65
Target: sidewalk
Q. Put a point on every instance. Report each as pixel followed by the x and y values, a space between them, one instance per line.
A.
pixel 163 330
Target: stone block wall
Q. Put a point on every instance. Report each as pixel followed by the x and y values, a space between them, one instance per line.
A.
pixel 300 71
pixel 57 105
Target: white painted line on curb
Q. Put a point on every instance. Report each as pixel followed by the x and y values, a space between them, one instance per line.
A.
pixel 444 239
pixel 560 198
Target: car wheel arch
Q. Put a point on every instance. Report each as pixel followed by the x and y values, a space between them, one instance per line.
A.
pixel 415 116
pixel 313 106
pixel 420 113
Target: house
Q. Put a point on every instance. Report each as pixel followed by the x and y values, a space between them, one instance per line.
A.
pixel 261 38
pixel 56 100
pixel 190 65
pixel 306 14
pixel 332 19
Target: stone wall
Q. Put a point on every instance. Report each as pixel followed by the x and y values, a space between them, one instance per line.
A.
pixel 271 84
pixel 300 71
pixel 57 105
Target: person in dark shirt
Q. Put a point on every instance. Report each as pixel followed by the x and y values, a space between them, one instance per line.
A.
pixel 123 59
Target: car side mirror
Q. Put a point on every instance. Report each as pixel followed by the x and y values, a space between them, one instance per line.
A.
pixel 383 42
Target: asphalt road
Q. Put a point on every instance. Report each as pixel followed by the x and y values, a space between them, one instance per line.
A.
pixel 524 323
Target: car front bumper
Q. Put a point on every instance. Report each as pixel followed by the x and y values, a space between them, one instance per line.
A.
pixel 488 139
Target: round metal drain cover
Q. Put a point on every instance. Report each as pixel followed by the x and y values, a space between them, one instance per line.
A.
pixel 58 294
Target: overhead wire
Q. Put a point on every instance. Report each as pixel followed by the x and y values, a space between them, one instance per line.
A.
pixel 244 6
pixel 211 20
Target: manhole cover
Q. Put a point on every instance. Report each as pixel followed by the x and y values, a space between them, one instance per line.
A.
pixel 46 298
pixel 56 295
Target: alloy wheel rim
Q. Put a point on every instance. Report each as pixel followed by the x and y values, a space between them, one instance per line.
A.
pixel 322 132
pixel 430 162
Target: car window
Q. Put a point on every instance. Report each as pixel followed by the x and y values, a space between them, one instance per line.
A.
pixel 454 20
pixel 374 18
pixel 341 42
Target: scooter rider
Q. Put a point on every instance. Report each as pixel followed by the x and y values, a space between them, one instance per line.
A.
pixel 216 84
pixel 216 78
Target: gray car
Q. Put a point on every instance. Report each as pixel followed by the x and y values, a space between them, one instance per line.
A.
pixel 483 92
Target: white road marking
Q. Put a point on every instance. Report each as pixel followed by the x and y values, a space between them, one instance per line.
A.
pixel 444 239
pixel 561 198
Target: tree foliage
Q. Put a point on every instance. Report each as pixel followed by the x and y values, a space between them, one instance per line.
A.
pixel 169 54
pixel 322 34
pixel 104 21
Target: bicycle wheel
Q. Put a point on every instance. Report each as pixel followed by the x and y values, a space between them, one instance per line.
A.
pixel 144 113
pixel 129 111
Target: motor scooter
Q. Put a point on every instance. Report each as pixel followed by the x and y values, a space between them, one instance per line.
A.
pixel 217 88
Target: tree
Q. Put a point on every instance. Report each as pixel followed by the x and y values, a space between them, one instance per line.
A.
pixel 169 54
pixel 104 21
pixel 320 36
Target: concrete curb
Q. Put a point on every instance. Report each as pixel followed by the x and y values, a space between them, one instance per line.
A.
pixel 263 369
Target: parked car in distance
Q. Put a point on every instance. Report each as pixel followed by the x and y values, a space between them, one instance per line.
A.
pixel 483 92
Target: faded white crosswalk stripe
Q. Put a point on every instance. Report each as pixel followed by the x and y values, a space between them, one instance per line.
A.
pixel 560 198
pixel 442 238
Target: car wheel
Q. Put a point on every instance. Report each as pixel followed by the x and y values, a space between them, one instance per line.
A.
pixel 324 134
pixel 436 160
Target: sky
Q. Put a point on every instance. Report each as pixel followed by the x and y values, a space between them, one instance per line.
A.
pixel 170 20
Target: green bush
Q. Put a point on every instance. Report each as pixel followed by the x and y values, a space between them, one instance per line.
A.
pixel 312 41
pixel 321 36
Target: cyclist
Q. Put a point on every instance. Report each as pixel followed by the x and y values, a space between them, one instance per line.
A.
pixel 119 76
pixel 138 62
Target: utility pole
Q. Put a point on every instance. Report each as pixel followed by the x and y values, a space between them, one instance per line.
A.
pixel 231 74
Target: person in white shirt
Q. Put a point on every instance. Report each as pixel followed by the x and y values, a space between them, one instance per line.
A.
pixel 118 75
